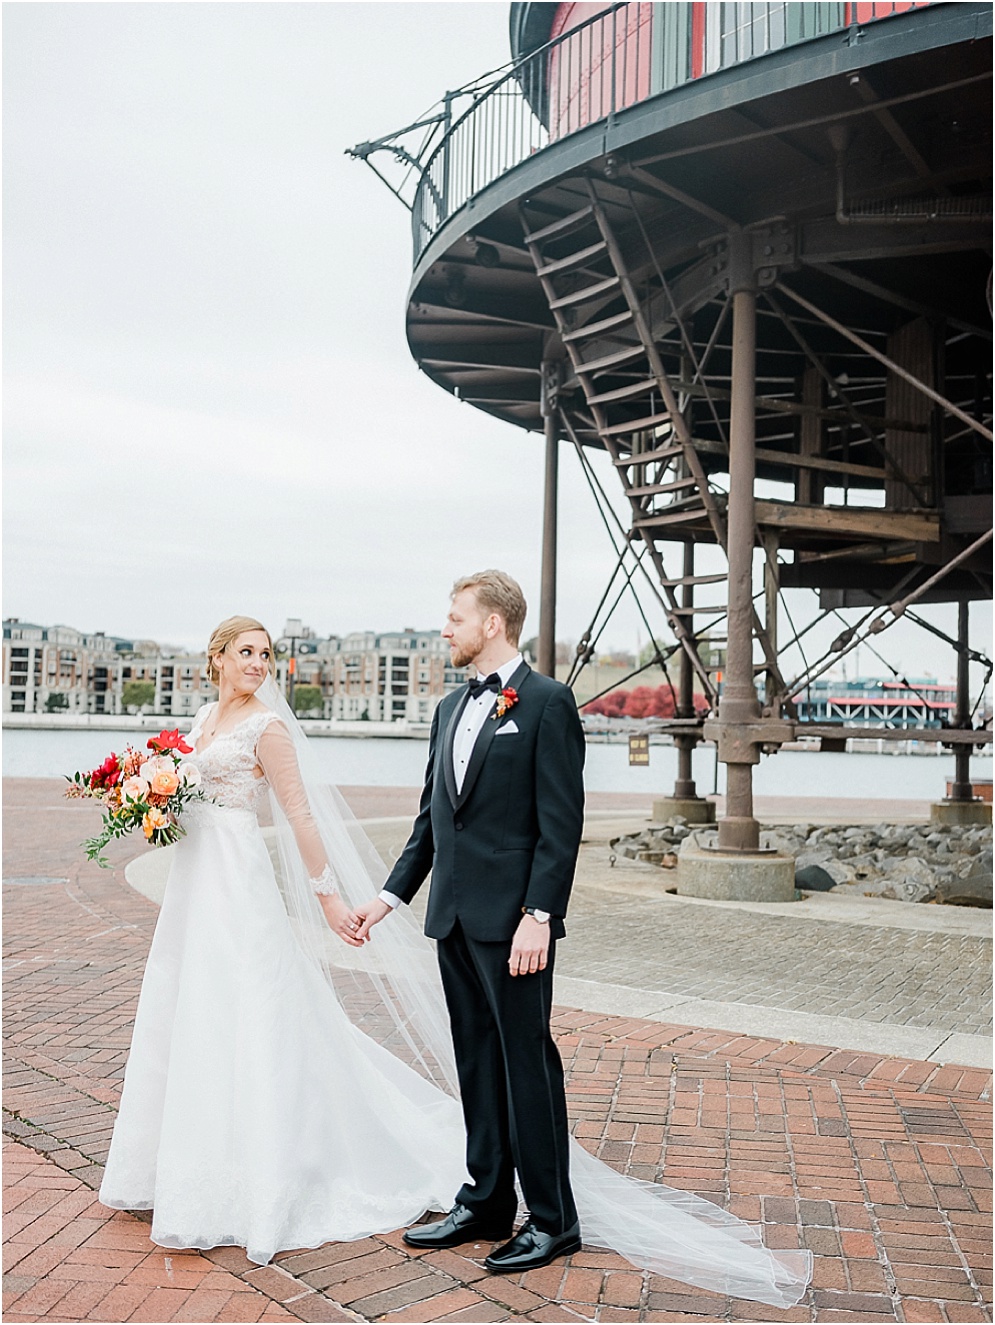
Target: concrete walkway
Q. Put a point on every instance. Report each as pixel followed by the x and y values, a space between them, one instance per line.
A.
pixel 874 1158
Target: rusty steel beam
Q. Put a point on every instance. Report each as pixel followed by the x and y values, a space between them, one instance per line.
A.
pixel 947 405
pixel 796 731
pixel 928 735
pixel 836 390
pixel 738 705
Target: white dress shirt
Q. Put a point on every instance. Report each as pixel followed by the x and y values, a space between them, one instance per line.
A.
pixel 472 719
pixel 475 714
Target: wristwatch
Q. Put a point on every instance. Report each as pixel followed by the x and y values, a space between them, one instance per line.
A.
pixel 542 917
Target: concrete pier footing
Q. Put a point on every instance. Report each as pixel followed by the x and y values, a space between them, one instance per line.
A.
pixel 960 812
pixel 692 809
pixel 703 871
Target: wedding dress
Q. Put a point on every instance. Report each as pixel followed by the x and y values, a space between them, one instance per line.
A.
pixel 284 1089
pixel 254 1113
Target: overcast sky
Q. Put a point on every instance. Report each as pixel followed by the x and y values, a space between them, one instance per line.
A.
pixel 209 402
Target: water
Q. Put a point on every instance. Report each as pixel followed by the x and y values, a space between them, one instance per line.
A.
pixel 382 762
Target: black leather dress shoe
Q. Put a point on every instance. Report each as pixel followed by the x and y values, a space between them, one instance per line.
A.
pixel 459 1226
pixel 530 1248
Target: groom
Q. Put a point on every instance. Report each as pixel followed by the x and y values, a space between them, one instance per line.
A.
pixel 499 828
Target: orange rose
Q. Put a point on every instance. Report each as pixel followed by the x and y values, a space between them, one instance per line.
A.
pixel 151 822
pixel 164 783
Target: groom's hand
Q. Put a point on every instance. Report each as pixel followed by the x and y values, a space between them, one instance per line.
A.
pixel 529 947
pixel 364 917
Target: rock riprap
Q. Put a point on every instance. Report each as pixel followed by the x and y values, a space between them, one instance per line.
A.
pixel 949 863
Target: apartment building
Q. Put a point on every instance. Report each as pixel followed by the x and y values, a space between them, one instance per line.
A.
pixel 363 676
pixel 383 678
pixel 61 669
pixel 58 669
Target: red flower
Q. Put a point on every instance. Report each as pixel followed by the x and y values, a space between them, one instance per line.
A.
pixel 170 740
pixel 507 699
pixel 108 774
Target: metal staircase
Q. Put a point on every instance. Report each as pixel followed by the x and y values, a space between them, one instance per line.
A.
pixel 634 407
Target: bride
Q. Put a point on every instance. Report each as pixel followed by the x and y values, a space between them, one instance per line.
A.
pixel 285 1090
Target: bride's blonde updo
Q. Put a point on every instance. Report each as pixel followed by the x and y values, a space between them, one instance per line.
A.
pixel 226 634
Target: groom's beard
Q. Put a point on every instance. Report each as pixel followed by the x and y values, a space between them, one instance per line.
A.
pixel 462 655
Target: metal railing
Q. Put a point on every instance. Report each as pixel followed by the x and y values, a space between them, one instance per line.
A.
pixel 613 60
pixel 576 79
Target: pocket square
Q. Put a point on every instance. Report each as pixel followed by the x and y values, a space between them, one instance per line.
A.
pixel 508 728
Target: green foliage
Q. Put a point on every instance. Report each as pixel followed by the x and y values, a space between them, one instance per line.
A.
pixel 308 699
pixel 137 694
pixel 57 702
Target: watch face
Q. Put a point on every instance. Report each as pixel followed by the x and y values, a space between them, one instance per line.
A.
pixel 541 916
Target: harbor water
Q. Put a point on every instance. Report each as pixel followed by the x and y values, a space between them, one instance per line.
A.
pixel 383 762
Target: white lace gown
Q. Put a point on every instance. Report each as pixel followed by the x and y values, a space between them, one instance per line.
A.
pixel 253 1113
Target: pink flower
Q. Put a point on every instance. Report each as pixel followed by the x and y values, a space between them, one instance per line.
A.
pixel 133 789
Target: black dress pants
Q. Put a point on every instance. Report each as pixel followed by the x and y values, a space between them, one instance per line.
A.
pixel 511 1080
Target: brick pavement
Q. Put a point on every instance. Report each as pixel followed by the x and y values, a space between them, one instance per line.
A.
pixel 880 1166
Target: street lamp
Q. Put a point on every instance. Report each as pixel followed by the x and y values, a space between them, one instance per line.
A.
pixel 294 643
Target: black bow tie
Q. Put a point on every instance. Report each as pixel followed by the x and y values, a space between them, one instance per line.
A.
pixel 477 687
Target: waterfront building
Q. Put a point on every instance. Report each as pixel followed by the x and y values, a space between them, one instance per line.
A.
pixel 735 259
pixel 52 669
pixel 872 702
pixel 385 677
pixel 364 676
pixel 59 669
pixel 182 685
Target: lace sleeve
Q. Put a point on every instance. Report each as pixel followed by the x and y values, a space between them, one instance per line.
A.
pixel 278 760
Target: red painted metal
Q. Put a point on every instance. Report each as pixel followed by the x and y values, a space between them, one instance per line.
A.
pixel 698 13
pixel 604 68
pixel 866 12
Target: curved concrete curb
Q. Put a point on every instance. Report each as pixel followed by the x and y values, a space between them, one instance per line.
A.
pixel 148 872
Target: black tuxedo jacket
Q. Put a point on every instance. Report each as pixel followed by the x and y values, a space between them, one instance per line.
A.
pixel 510 837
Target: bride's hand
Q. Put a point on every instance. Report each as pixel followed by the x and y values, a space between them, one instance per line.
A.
pixel 338 916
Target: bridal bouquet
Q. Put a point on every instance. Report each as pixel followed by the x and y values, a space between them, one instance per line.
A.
pixel 140 790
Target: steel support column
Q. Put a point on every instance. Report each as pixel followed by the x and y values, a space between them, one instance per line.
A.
pixel 739 706
pixel 546 660
pixel 772 588
pixel 962 790
pixel 684 785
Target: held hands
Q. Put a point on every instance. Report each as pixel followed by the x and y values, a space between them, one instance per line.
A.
pixel 364 917
pixel 529 947
pixel 339 918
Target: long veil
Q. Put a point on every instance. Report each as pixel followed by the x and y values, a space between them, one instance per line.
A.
pixel 391 990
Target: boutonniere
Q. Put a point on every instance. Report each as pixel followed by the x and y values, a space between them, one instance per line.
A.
pixel 506 700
